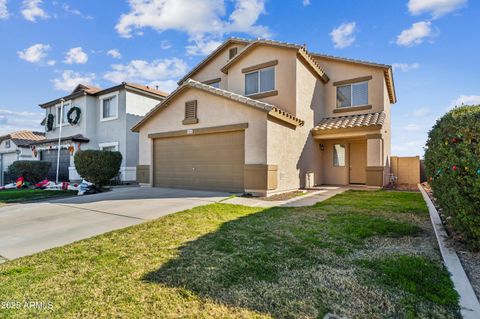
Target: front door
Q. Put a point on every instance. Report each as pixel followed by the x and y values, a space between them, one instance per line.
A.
pixel 358 162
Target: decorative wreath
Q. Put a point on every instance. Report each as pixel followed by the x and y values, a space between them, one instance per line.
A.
pixel 50 119
pixel 74 120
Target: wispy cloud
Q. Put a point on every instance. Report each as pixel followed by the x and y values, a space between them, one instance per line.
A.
pixel 405 67
pixel 161 72
pixel 17 121
pixel 306 3
pixel 416 34
pixel 34 54
pixel 422 112
pixel 466 100
pixel 4 14
pixel 436 8
pixel 76 12
pixel 31 10
pixel 76 56
pixel 114 53
pixel 344 35
pixel 205 24
pixel 69 79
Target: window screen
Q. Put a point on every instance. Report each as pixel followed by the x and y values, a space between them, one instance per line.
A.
pixel 352 94
pixel 344 96
pixel 267 80
pixel 338 155
pixel 109 108
pixel 251 83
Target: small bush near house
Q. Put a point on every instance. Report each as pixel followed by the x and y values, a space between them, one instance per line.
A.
pixel 452 161
pixel 98 167
pixel 33 171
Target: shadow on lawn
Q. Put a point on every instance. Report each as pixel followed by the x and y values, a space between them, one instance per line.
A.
pixel 255 262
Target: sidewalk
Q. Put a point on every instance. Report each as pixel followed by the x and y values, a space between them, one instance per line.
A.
pixel 306 200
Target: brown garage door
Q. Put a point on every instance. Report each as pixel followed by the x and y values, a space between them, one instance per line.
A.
pixel 208 161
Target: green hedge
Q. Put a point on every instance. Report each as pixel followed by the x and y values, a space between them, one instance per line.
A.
pixel 33 171
pixel 98 167
pixel 452 161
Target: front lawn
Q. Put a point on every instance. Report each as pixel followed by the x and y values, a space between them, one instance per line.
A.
pixel 360 254
pixel 25 195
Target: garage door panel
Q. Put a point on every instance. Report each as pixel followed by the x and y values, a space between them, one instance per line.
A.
pixel 210 161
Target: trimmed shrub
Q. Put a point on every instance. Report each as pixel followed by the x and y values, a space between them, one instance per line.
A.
pixel 33 171
pixel 98 167
pixel 452 161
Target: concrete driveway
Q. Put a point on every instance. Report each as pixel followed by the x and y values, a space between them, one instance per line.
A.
pixel 26 229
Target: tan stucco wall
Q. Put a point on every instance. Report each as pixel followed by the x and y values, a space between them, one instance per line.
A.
pixel 285 75
pixel 339 71
pixel 211 111
pixel 406 169
pixel 212 69
pixel 293 149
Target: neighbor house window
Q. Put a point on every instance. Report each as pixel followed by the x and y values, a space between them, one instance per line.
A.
pixel 190 112
pixel 215 84
pixel 109 108
pixel 66 108
pixel 260 81
pixel 338 154
pixel 7 144
pixel 352 94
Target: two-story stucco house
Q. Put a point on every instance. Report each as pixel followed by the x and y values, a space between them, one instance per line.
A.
pixel 263 116
pixel 15 147
pixel 100 119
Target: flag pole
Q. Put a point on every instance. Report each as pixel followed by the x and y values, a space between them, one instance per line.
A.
pixel 62 101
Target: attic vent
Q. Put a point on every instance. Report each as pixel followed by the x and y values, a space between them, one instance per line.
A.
pixel 232 52
pixel 190 112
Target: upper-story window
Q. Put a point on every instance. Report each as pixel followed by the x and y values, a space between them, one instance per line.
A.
pixel 215 84
pixel 109 108
pixel 7 144
pixel 232 52
pixel 62 114
pixel 260 81
pixel 354 94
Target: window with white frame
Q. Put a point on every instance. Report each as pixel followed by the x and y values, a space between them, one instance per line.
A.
pixel 109 107
pixel 338 154
pixel 354 94
pixel 63 115
pixel 111 147
pixel 260 81
pixel 7 144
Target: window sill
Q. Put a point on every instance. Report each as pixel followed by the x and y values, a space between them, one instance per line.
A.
pixel 108 119
pixel 262 95
pixel 352 108
pixel 190 121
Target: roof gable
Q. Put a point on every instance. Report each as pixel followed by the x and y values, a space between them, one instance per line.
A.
pixel 262 106
pixel 302 54
pixel 211 56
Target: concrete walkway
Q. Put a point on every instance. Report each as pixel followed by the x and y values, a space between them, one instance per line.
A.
pixel 26 229
pixel 306 200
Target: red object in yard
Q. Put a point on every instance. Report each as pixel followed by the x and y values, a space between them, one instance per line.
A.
pixel 19 182
pixel 454 167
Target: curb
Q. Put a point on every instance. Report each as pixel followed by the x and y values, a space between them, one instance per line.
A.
pixel 469 305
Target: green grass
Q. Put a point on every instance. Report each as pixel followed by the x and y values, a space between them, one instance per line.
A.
pixel 229 261
pixel 24 195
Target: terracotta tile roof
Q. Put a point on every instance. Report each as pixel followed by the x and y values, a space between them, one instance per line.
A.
pixel 350 121
pixel 147 88
pixel 21 138
pixel 271 109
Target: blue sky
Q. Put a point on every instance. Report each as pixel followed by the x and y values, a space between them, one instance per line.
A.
pixel 48 46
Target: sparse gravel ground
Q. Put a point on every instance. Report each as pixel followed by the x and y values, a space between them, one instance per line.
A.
pixel 470 260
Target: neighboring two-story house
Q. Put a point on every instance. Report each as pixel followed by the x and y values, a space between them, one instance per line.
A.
pixel 98 119
pixel 264 116
pixel 15 147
